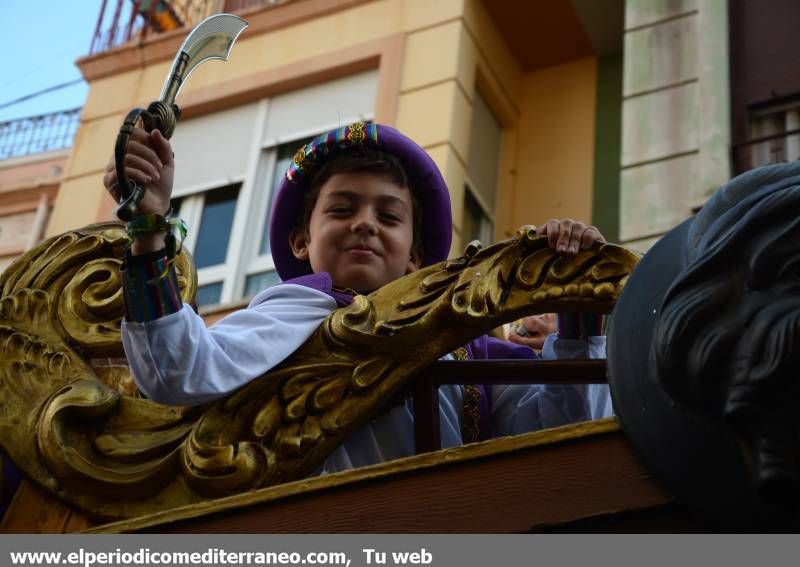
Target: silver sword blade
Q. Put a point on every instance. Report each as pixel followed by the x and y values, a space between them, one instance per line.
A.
pixel 212 38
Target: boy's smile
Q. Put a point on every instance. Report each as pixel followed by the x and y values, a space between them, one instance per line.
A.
pixel 361 231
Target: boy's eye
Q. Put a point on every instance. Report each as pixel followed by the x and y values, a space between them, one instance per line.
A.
pixel 391 217
pixel 339 210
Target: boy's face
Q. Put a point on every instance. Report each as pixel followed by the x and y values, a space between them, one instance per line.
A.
pixel 361 231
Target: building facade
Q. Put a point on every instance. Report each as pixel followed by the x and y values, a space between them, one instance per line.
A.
pixel 614 112
pixel 34 156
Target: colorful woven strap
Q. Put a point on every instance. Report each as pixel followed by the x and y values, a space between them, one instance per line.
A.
pixel 148 295
pixel 580 325
pixel 148 223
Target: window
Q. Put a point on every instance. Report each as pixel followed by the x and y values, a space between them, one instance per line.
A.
pixel 483 163
pixel 477 223
pixel 772 125
pixel 210 216
pixel 773 136
pixel 214 228
pixel 259 271
pixel 764 96
pixel 228 165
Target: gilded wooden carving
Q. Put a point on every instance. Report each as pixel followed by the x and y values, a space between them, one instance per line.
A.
pixel 117 455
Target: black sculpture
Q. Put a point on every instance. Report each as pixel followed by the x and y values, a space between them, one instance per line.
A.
pixel 704 346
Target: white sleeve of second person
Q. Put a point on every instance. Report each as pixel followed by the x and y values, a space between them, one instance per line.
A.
pixel 521 408
pixel 598 396
pixel 177 360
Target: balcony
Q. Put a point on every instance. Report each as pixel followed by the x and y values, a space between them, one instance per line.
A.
pixel 122 21
pixel 38 134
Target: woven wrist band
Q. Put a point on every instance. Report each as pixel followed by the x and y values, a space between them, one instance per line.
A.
pixel 149 223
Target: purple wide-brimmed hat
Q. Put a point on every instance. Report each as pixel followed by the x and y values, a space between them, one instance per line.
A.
pixel 424 177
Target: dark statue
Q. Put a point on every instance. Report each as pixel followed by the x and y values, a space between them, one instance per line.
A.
pixel 707 387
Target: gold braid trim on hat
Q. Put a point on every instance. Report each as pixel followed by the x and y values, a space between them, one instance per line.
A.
pixel 300 157
pixel 356 133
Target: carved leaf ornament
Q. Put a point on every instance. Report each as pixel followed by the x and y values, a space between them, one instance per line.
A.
pixel 65 422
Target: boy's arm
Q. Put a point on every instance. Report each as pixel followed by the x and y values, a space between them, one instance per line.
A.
pixel 176 359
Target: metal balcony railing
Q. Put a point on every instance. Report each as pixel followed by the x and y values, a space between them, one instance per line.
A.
pixel 122 21
pixel 765 150
pixel 232 6
pixel 36 134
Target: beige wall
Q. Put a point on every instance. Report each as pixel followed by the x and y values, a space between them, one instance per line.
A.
pixel 281 54
pixel 28 186
pixel 31 171
pixel 443 66
pixel 555 145
pixel 675 126
pixel 546 163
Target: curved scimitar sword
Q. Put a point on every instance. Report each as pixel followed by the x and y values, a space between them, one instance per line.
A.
pixel 212 38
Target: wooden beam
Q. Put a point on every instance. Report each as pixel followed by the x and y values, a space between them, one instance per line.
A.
pixel 525 483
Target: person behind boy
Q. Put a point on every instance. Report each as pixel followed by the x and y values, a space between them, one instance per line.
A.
pixel 359 207
pixel 531 331
pixel 545 335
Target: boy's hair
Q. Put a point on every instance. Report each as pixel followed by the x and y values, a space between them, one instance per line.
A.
pixel 362 160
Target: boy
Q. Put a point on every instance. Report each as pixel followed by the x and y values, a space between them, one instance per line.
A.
pixel 359 207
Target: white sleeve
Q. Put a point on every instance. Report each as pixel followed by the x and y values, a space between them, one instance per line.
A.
pixel 178 360
pixel 598 396
pixel 522 408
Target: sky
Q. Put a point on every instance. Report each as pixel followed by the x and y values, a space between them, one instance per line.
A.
pixel 39 42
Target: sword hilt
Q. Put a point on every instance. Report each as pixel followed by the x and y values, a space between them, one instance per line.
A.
pixel 211 39
pixel 158 116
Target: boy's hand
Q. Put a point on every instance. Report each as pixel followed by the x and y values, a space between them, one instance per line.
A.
pixel 149 163
pixel 568 236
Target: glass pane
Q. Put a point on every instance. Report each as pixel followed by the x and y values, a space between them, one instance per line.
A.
pixel 215 226
pixel 474 219
pixel 485 139
pixel 209 294
pixel 285 154
pixel 258 282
